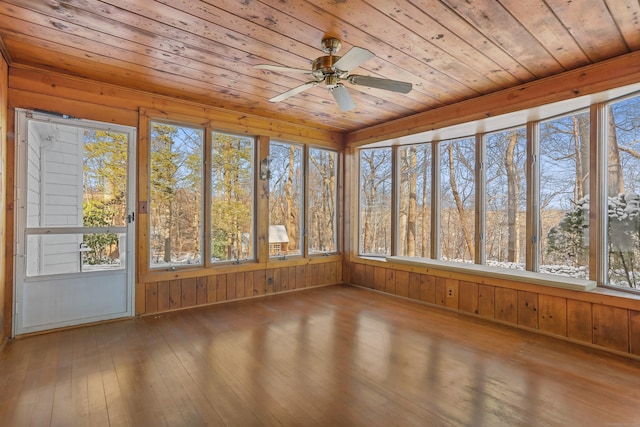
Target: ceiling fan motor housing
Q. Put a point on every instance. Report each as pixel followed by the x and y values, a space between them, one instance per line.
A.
pixel 323 67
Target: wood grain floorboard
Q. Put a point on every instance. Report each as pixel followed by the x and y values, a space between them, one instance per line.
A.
pixel 339 356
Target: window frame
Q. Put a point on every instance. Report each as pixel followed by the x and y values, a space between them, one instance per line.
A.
pixel 209 197
pixel 205 208
pixel 392 207
pixel 302 222
pixel 203 188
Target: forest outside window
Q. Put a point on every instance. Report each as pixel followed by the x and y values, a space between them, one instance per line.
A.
pixel 232 197
pixel 505 189
pixel 414 236
pixel 286 199
pixel 564 195
pixel 623 193
pixel 518 198
pixel 457 200
pixel 176 189
pixel 375 201
pixel 322 201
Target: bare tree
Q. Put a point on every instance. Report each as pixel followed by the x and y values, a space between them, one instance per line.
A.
pixel 513 196
pixel 290 205
pixel 462 213
pixel 322 200
pixel 375 204
pixel 615 178
pixel 425 198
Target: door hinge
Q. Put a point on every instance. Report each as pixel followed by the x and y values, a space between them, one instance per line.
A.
pixel 131 217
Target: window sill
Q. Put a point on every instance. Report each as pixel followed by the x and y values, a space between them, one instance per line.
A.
pixel 560 282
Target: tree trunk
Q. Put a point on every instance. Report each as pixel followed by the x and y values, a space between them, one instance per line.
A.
pixel 326 169
pixel 369 192
pixel 403 199
pixel 513 190
pixel 584 135
pixel 291 214
pixel 425 210
pixel 411 212
pixel 459 206
pixel 615 180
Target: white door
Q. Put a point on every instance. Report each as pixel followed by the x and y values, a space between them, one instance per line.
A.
pixel 74 222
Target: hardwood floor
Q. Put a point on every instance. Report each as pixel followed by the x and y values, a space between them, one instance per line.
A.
pixel 321 357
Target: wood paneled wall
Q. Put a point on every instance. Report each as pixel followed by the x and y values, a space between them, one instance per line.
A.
pixel 595 318
pixel 4 86
pixel 165 295
pixel 30 88
pixel 37 89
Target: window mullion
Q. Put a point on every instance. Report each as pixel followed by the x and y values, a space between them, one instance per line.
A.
pixel 435 201
pixel 598 254
pixel 533 197
pixel 206 199
pixel 481 185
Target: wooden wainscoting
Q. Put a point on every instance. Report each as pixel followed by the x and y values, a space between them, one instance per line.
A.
pixel 597 318
pixel 184 292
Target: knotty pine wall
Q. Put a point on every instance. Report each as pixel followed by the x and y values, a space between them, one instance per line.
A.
pixel 5 303
pixel 189 292
pixel 158 291
pixel 601 318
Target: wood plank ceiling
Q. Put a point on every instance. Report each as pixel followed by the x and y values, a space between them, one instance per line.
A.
pixel 205 50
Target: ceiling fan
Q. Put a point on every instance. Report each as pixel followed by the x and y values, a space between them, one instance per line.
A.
pixel 333 70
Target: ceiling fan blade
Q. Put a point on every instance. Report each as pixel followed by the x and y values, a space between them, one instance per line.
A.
pixel 386 84
pixel 342 97
pixel 294 91
pixel 353 59
pixel 280 69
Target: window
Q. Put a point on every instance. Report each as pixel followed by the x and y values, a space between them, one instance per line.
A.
pixel 564 195
pixel 322 217
pixel 525 200
pixel 286 202
pixel 505 210
pixel 175 205
pixel 457 200
pixel 375 201
pixel 189 205
pixel 623 189
pixel 76 190
pixel 232 201
pixel 414 228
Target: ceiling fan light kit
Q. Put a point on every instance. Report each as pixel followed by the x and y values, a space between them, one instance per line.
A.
pixel 333 70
